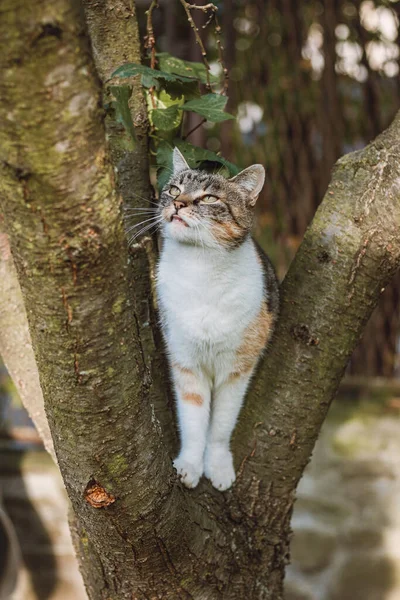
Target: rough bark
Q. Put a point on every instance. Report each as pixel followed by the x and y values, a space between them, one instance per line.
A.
pixel 141 535
pixel 114 37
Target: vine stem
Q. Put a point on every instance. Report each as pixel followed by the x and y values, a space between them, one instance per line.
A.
pixel 194 128
pixel 150 42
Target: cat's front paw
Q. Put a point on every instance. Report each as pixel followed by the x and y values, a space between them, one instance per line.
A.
pixel 218 467
pixel 188 472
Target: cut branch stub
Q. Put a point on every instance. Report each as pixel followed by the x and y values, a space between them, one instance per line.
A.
pixel 97 496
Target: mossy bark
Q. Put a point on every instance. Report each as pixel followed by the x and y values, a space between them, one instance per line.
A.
pixel 88 301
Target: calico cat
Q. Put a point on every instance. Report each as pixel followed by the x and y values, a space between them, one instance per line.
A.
pixel 218 300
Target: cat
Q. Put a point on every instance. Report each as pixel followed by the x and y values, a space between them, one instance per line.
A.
pixel 218 302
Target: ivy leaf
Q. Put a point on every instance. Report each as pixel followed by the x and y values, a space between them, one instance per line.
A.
pixel 182 89
pixel 210 106
pixel 148 81
pixel 151 75
pixel 166 118
pixel 123 113
pixel 195 156
pixel 172 64
pixel 164 163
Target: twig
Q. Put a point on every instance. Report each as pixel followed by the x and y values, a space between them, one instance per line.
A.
pixel 150 39
pixel 221 56
pixel 205 8
pixel 194 128
pixel 150 43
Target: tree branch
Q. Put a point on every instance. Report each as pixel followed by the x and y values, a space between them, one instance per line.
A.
pixel 349 254
pixel 114 36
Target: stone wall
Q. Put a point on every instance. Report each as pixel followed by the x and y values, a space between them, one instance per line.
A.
pixel 346 523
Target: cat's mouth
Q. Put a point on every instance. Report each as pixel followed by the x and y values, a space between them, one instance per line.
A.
pixel 178 219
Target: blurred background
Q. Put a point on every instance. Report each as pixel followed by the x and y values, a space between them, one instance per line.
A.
pixel 309 81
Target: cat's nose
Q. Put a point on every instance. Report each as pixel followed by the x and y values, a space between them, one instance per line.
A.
pixel 179 204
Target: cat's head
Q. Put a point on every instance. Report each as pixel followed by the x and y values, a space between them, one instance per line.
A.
pixel 206 209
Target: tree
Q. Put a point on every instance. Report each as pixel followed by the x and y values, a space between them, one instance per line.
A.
pixel 138 532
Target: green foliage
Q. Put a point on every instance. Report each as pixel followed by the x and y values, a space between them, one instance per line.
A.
pixel 172 90
pixel 165 118
pixel 121 105
pixel 196 158
pixel 210 106
pixel 152 75
pixel 174 65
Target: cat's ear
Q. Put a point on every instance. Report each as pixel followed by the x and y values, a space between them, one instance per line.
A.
pixel 251 180
pixel 178 161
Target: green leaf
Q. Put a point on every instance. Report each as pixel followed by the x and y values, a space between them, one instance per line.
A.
pixel 182 89
pixel 210 106
pixel 164 163
pixel 123 113
pixel 166 118
pixel 132 69
pixel 164 111
pixel 195 156
pixel 172 64
pixel 148 81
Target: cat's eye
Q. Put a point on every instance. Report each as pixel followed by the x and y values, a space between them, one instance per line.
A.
pixel 174 191
pixel 209 199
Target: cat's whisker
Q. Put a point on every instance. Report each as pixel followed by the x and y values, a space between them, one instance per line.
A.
pixel 136 234
pixel 136 208
pixel 197 232
pixel 139 214
pixel 197 223
pixel 146 200
pixel 145 229
pixel 152 219
pixel 218 247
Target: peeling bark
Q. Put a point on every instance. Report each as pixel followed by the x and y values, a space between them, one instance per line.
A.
pixel 88 301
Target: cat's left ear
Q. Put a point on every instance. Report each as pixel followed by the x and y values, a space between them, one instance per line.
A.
pixel 178 161
pixel 251 180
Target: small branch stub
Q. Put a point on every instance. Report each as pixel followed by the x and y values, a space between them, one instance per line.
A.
pixel 97 496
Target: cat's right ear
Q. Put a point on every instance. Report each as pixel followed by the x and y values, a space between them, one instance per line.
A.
pixel 252 181
pixel 178 161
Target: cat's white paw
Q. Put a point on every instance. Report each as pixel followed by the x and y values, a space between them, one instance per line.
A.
pixel 189 473
pixel 218 467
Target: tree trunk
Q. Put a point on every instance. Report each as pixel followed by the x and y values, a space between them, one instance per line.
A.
pixel 139 534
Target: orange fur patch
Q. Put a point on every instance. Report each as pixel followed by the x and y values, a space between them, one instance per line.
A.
pixel 193 398
pixel 226 232
pixel 255 339
pixel 182 369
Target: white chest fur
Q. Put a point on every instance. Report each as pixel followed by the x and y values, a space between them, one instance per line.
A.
pixel 207 299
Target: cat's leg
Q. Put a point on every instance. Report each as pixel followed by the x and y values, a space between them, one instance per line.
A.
pixel 193 394
pixel 228 399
